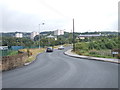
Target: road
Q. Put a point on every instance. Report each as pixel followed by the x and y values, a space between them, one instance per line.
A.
pixel 56 70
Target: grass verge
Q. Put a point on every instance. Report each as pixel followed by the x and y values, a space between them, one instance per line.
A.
pixel 96 53
pixel 34 52
pixel 8 52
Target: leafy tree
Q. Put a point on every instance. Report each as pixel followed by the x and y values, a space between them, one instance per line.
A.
pixel 13 41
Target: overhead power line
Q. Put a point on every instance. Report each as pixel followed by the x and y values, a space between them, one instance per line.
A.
pixel 55 10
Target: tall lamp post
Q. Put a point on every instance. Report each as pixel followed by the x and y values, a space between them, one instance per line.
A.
pixel 39 33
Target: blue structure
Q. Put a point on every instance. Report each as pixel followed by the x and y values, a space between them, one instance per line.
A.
pixel 16 47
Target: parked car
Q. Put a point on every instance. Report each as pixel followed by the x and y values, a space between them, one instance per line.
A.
pixel 60 48
pixel 49 49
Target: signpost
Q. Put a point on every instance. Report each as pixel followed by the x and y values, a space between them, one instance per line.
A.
pixel 115 52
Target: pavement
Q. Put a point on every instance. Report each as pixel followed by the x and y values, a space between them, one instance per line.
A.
pixel 57 70
pixel 69 53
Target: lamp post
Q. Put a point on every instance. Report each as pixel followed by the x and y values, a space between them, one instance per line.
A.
pixel 39 33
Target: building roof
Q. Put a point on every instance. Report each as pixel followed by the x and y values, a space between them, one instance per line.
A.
pixel 90 35
pixel 50 36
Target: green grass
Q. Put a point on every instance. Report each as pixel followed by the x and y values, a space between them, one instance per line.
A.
pixel 8 52
pixel 96 53
pixel 30 59
pixel 34 52
pixel 11 53
pixel 104 56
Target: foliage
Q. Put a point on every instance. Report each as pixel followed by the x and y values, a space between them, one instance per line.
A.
pixel 100 46
pixel 104 43
pixel 81 46
pixel 13 41
pixel 8 52
pixel 34 53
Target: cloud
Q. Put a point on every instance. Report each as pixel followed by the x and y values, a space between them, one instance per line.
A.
pixel 25 15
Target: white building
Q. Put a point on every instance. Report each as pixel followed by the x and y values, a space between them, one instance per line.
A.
pixel 3 47
pixel 59 32
pixel 50 36
pixel 88 35
pixel 33 34
pixel 18 35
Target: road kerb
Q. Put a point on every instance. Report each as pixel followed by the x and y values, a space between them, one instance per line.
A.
pixel 69 53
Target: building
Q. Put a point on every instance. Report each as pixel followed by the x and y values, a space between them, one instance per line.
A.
pixel 88 35
pixel 33 34
pixel 50 36
pixel 59 32
pixel 3 47
pixel 18 35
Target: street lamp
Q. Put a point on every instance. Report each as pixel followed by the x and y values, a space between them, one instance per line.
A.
pixel 39 33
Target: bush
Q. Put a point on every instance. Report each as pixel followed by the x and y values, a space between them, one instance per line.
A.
pixel 93 52
pixel 118 56
pixel 78 52
pixel 81 46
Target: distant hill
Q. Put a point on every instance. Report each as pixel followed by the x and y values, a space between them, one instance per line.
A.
pixel 102 32
pixel 27 34
pixel 12 34
pixel 48 32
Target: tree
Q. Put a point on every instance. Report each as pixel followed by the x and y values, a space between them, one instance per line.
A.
pixel 109 45
pixel 13 41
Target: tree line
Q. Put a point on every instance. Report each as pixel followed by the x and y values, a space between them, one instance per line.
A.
pixel 104 42
pixel 27 42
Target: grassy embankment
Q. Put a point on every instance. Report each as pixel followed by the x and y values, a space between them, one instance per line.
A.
pixel 96 53
pixel 34 52
pixel 12 53
pixel 8 52
pixel 83 49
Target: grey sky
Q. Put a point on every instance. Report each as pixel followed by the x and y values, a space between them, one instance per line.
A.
pixel 90 15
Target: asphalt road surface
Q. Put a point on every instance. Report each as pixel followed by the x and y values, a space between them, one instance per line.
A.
pixel 56 70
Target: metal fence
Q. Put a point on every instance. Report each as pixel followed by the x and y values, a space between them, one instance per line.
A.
pixel 14 49
pixel 7 52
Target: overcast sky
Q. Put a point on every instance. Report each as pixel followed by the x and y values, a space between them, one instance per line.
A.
pixel 89 15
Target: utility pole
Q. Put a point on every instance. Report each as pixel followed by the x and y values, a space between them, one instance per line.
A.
pixel 73 36
pixel 39 36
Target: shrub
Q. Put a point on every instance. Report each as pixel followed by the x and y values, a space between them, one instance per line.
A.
pixel 93 52
pixel 81 46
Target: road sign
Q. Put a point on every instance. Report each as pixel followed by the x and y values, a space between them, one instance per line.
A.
pixel 114 52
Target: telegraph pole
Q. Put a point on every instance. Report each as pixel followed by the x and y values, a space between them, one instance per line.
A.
pixel 39 36
pixel 73 36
